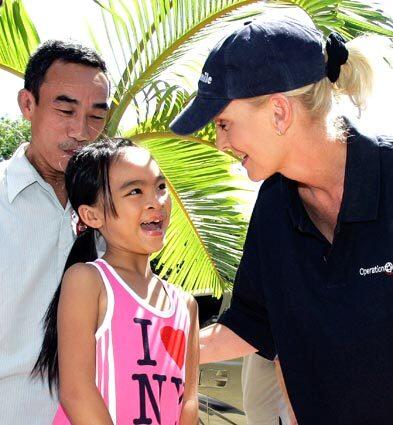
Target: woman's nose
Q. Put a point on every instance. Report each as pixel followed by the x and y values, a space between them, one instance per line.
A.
pixel 221 140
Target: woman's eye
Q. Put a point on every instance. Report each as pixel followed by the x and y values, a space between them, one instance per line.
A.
pixel 223 126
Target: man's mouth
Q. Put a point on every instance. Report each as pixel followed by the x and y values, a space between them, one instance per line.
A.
pixel 70 152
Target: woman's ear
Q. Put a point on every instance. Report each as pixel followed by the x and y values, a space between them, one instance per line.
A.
pixel 281 112
pixel 90 216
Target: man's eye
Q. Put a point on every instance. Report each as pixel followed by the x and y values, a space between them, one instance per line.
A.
pixel 97 117
pixel 65 111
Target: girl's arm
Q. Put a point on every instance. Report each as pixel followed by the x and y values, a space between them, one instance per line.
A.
pixel 189 414
pixel 77 323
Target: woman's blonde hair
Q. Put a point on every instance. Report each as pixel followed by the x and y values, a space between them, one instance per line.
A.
pixel 355 81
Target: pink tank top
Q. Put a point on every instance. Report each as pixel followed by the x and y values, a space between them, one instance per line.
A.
pixel 140 355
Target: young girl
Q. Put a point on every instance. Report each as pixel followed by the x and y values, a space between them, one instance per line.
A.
pixel 127 345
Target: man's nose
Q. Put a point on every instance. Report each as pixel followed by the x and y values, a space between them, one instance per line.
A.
pixel 79 129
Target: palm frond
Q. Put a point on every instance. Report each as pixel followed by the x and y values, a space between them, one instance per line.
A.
pixel 349 17
pixel 205 238
pixel 18 37
pixel 153 35
pixel 157 105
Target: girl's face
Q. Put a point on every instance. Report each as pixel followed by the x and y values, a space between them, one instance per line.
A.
pixel 142 202
pixel 249 132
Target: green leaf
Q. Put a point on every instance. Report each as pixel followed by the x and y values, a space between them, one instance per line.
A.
pixel 18 37
pixel 163 32
pixel 205 237
pixel 12 134
pixel 349 17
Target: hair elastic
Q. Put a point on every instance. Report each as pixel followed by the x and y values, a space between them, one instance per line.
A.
pixel 337 55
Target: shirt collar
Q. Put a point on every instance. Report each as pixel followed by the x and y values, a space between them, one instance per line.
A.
pixel 362 178
pixel 20 173
pixel 361 183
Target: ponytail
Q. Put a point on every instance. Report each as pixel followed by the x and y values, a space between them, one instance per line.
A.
pixel 356 75
pixel 86 178
pixel 47 366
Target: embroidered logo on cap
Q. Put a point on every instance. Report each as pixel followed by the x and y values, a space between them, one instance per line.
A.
pixel 206 78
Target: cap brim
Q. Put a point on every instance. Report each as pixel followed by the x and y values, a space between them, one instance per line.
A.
pixel 197 114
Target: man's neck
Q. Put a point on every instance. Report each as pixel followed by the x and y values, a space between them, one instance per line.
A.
pixel 53 177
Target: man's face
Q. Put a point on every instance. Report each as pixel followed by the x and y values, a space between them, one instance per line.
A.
pixel 71 112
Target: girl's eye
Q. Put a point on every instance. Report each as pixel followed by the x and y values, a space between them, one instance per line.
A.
pixel 162 186
pixel 135 192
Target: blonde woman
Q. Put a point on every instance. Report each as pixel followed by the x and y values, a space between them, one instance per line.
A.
pixel 314 287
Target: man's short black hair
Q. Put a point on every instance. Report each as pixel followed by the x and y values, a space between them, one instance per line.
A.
pixel 53 50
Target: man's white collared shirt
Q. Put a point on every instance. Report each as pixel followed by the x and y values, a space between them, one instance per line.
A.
pixel 36 237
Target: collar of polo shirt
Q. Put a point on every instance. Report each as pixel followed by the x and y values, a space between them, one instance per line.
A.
pixel 361 184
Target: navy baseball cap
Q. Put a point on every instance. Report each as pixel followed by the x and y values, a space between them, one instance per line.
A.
pixel 262 57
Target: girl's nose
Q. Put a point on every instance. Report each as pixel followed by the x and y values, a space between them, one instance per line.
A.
pixel 156 202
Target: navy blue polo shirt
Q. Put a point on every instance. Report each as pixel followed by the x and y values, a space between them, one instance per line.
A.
pixel 325 309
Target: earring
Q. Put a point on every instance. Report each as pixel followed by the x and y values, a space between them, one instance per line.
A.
pixel 279 132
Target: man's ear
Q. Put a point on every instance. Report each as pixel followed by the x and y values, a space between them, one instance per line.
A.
pixel 281 112
pixel 26 103
pixel 90 216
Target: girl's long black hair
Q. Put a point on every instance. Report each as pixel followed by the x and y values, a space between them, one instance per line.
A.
pixel 86 178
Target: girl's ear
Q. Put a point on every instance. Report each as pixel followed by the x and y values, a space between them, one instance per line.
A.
pixel 90 216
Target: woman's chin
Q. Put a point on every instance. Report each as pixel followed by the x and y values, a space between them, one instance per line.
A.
pixel 256 176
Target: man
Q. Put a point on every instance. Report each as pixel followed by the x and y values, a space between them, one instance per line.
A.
pixel 65 98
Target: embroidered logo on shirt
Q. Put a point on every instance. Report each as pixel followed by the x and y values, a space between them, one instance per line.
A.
pixel 205 78
pixel 387 268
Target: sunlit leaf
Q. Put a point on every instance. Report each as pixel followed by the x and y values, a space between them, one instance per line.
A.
pixel 18 37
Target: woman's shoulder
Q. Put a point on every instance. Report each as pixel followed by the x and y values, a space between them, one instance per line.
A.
pixel 385 141
pixel 385 144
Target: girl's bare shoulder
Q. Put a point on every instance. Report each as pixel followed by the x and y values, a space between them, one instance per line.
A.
pixel 188 298
pixel 82 276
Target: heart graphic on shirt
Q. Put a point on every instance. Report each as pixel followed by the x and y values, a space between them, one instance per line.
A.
pixel 174 342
